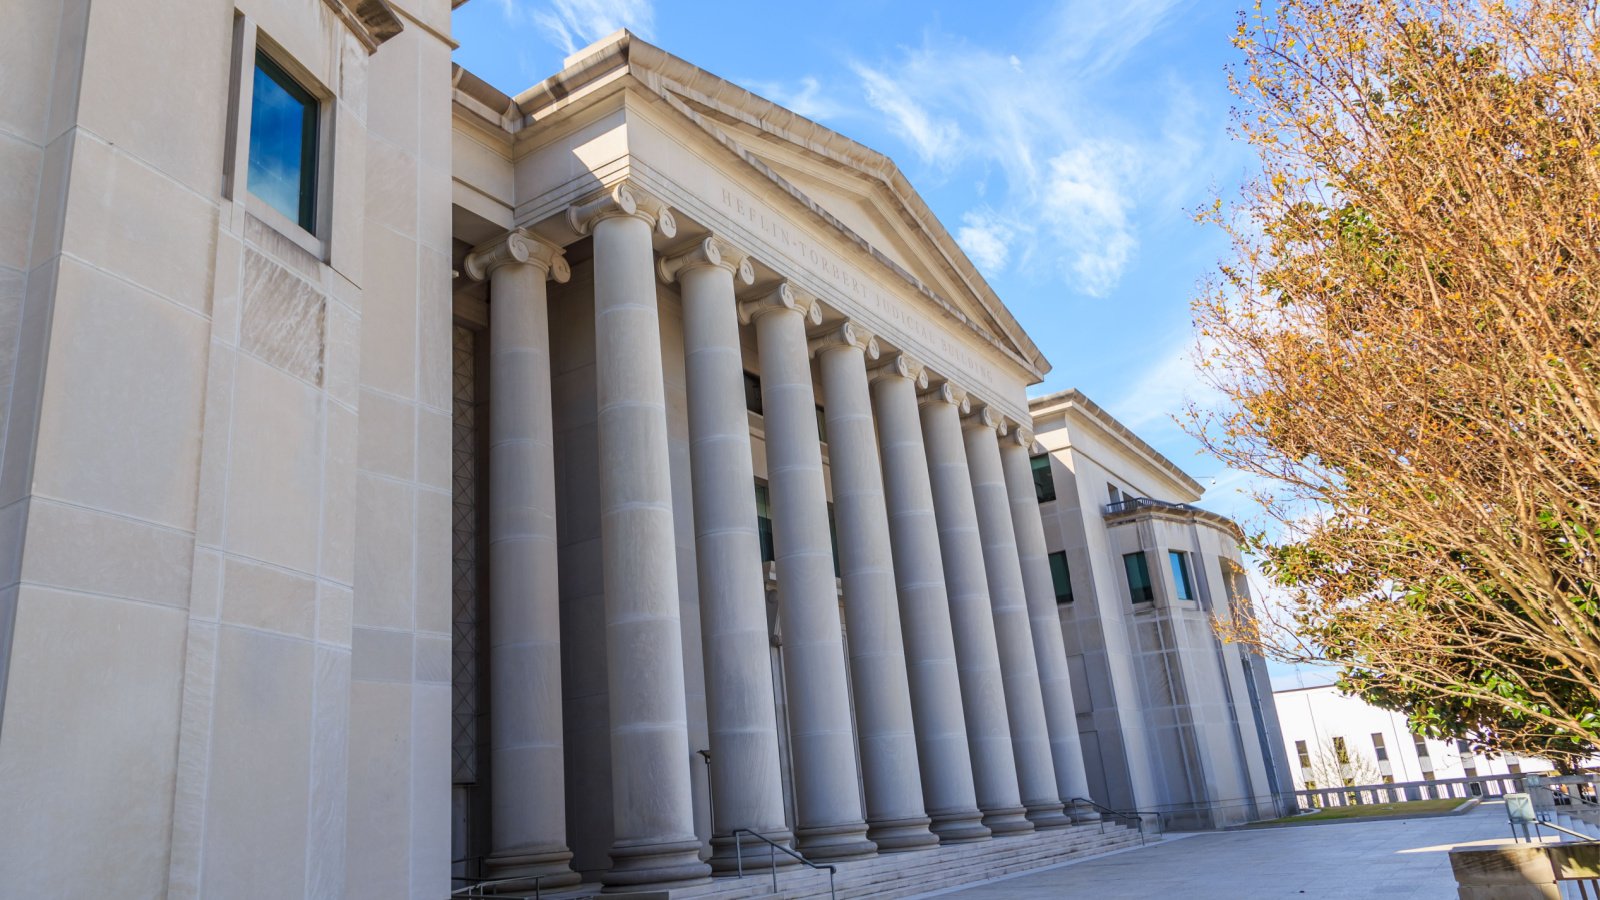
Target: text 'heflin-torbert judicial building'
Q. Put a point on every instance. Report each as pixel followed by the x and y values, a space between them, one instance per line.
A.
pixel 405 486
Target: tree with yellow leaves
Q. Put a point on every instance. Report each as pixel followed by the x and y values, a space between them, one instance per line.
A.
pixel 1407 340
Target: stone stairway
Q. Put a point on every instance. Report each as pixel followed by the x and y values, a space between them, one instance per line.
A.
pixel 913 872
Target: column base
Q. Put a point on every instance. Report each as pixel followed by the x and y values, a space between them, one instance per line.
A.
pixel 655 864
pixel 1083 812
pixel 831 842
pixel 901 834
pixel 1048 815
pixel 959 826
pixel 1007 820
pixel 725 852
pixel 550 867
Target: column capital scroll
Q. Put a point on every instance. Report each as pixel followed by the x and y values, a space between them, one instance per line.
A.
pixel 1022 437
pixel 984 416
pixel 947 393
pixel 901 365
pixel 708 251
pixel 622 200
pixel 848 334
pixel 780 299
pixel 517 247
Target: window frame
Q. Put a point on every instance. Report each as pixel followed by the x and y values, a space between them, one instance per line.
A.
pixel 1182 576
pixel 1047 469
pixel 1128 561
pixel 1065 579
pixel 310 137
pixel 764 542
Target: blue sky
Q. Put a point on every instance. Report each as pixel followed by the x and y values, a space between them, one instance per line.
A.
pixel 1065 143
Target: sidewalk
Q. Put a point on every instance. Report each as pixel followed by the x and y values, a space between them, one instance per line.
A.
pixel 1387 858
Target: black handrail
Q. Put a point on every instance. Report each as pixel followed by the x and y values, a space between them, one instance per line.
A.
pixel 1137 815
pixel 476 891
pixel 772 858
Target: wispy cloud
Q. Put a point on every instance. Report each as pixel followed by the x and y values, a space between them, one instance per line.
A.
pixel 805 97
pixel 573 24
pixel 1077 167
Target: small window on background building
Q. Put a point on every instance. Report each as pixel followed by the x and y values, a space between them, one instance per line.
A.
pixel 833 541
pixel 764 521
pixel 1420 743
pixel 822 426
pixel 752 393
pixel 1180 574
pixel 283 144
pixel 1388 779
pixel 1378 748
pixel 1138 577
pixel 1341 752
pixel 1061 576
pixel 1427 775
pixel 1304 753
pixel 1044 480
pixel 1112 493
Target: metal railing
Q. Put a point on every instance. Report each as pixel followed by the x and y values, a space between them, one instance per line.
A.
pixel 1477 786
pixel 1135 816
pixel 478 889
pixel 773 847
pixel 1135 503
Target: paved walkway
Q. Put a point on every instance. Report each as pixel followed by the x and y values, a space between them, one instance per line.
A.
pixel 1406 858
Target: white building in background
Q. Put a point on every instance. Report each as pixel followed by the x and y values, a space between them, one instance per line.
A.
pixel 1326 732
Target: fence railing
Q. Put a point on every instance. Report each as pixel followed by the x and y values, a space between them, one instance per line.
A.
pixel 1405 791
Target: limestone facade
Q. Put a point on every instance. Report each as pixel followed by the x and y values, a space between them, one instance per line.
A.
pixel 1172 720
pixel 581 478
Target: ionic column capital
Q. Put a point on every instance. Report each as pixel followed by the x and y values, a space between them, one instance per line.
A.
pixel 901 365
pixel 517 247
pixel 950 394
pixel 1022 437
pixel 783 298
pixel 708 251
pixel 984 416
pixel 622 200
pixel 848 335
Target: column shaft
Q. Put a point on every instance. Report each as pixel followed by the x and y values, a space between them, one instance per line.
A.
pixel 746 786
pixel 829 819
pixel 1030 740
pixel 652 805
pixel 946 767
pixel 994 767
pixel 1048 644
pixel 895 816
pixel 527 804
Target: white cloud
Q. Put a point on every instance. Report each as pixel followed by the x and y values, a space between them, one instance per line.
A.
pixel 1077 168
pixel 806 98
pixel 573 24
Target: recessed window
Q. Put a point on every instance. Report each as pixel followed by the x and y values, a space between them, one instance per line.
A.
pixel 1138 577
pixel 833 540
pixel 1341 752
pixel 1044 480
pixel 1061 576
pixel 1378 748
pixel 822 426
pixel 764 521
pixel 1180 574
pixel 752 393
pixel 1304 753
pixel 283 143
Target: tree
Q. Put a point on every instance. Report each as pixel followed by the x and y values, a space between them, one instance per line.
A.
pixel 1406 339
pixel 1335 764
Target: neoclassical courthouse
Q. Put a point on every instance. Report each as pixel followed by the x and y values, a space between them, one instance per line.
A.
pixel 402 482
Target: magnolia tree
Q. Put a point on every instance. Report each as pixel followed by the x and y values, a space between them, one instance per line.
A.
pixel 1407 341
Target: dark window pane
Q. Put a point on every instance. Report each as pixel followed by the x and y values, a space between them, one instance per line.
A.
pixel 1044 482
pixel 1061 576
pixel 1138 577
pixel 764 522
pixel 752 393
pixel 283 143
pixel 833 540
pixel 1180 575
pixel 822 426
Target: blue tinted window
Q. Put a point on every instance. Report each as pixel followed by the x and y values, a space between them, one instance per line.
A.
pixel 283 143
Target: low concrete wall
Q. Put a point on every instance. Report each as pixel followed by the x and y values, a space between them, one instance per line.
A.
pixel 1523 871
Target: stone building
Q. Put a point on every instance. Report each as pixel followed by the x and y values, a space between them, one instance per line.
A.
pixel 402 481
pixel 1172 720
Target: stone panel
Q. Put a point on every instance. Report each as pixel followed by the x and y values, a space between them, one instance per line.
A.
pixel 268 598
pixel 20 165
pixel 282 319
pixel 130 559
pixel 274 485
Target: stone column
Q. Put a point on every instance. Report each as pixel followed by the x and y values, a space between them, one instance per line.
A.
pixel 895 816
pixel 830 824
pixel 746 785
pixel 1048 646
pixel 652 805
pixel 947 788
pixel 1030 740
pixel 527 806
pixel 983 696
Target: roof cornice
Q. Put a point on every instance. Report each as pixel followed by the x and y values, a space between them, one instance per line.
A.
pixel 1073 401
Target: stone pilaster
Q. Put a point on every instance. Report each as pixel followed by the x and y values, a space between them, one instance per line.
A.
pixel 527 806
pixel 829 816
pixel 746 784
pixel 983 697
pixel 652 803
pixel 895 816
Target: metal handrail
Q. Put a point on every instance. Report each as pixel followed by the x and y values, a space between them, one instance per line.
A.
pixel 1136 815
pixel 772 858
pixel 476 891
